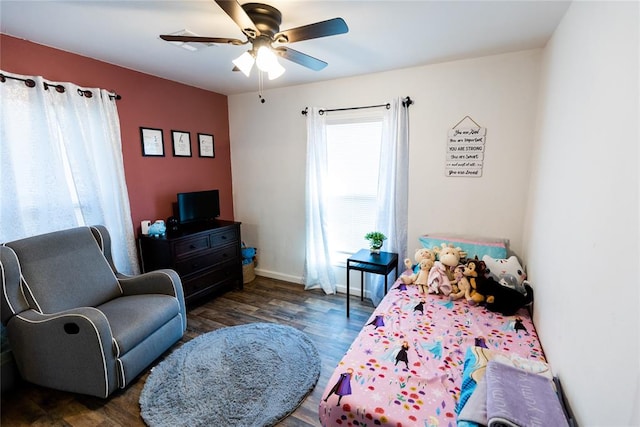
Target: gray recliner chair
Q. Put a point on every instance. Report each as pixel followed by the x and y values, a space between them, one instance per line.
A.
pixel 74 323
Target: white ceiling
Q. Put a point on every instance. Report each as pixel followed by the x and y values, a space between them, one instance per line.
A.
pixel 383 35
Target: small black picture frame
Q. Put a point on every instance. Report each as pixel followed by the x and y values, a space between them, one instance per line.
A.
pixel 152 142
pixel 205 145
pixel 181 143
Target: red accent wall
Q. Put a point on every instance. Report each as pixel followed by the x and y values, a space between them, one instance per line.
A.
pixel 147 101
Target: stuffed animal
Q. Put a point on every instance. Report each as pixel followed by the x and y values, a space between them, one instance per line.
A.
pixel 438 281
pixel 505 300
pixel 423 275
pixel 450 257
pixel 473 270
pixel 420 278
pixel 157 229
pixel 462 287
pixel 508 271
pixel 499 297
pixel 421 254
pixel 458 273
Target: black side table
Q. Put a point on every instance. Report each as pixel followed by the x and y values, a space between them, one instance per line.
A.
pixel 367 262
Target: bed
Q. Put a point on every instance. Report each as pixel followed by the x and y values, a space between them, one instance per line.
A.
pixel 405 367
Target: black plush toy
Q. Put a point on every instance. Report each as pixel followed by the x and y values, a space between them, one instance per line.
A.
pixel 506 300
pixel 500 298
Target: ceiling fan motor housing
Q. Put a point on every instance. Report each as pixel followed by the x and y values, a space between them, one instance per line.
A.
pixel 267 19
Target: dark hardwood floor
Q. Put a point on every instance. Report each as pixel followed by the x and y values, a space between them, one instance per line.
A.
pixel 321 316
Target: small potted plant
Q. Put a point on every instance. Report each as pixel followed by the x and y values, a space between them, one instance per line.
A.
pixel 375 239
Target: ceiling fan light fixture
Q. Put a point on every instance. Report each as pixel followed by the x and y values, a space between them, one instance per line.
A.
pixel 244 63
pixel 266 59
pixel 276 70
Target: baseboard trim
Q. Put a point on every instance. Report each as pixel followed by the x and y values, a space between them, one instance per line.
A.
pixel 279 276
pixel 340 288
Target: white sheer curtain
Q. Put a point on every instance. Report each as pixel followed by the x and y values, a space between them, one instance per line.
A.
pixel 318 272
pixel 392 209
pixel 61 164
pixel 393 187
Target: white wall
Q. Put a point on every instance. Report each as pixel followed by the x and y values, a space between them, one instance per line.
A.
pixel 268 149
pixel 581 235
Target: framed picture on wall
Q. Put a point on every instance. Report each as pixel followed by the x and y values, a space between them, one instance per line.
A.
pixel 181 143
pixel 205 145
pixel 152 142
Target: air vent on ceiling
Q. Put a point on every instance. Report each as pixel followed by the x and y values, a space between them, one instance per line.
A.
pixel 188 45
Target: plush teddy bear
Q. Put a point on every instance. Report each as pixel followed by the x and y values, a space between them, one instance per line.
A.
pixel 461 286
pixel 450 257
pixel 438 281
pixel 421 254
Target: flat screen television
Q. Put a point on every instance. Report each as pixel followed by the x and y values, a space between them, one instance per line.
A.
pixel 198 206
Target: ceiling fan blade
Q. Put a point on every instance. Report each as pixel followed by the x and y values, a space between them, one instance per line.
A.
pixel 301 58
pixel 327 28
pixel 240 17
pixel 198 39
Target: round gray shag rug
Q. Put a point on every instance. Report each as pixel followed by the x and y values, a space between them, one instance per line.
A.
pixel 247 375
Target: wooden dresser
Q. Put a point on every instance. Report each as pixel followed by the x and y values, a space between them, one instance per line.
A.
pixel 207 258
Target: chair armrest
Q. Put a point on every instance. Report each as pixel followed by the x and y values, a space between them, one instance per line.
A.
pixel 164 281
pixel 71 350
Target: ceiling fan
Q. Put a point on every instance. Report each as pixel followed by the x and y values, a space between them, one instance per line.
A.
pixel 260 23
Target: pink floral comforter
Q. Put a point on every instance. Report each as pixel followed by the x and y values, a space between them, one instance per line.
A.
pixel 405 366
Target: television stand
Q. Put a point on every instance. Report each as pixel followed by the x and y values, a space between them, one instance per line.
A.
pixel 207 257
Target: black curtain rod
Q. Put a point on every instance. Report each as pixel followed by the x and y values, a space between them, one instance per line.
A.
pixel 405 103
pixel 387 106
pixel 58 88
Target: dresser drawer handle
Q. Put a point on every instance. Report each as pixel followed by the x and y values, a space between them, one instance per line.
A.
pixel 224 237
pixel 192 247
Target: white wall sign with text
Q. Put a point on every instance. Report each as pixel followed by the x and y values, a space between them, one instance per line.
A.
pixel 465 152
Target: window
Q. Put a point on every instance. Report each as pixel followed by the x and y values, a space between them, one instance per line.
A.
pixel 51 178
pixel 356 181
pixel 353 157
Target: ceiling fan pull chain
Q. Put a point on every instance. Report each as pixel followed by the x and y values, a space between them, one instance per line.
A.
pixel 260 86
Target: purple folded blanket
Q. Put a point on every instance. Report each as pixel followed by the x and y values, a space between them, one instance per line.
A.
pixel 516 398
